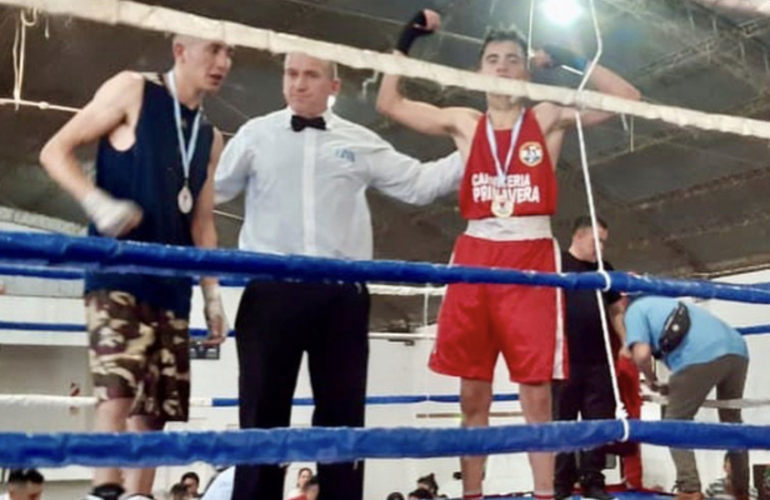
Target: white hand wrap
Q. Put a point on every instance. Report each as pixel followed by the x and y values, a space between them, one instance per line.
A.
pixel 112 217
pixel 214 310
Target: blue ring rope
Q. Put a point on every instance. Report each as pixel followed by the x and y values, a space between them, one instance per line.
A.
pixel 105 254
pixel 336 445
pixel 79 275
pixel 326 445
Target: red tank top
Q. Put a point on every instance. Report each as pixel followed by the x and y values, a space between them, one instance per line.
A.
pixel 530 182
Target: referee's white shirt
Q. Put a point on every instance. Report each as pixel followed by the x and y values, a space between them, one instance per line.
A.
pixel 305 191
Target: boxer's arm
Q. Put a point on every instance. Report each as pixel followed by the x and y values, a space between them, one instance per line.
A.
pixel 602 80
pixel 108 109
pixel 116 103
pixel 605 81
pixel 420 116
pixel 204 234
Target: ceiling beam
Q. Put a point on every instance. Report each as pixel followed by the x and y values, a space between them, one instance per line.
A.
pixel 753 108
pixel 728 47
pixel 711 226
pixel 704 189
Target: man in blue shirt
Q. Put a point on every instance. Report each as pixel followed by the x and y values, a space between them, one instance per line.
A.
pixel 711 354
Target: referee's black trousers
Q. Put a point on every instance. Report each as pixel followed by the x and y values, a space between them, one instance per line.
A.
pixel 587 393
pixel 276 323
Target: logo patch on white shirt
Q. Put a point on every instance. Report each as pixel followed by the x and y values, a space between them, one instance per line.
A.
pixel 346 154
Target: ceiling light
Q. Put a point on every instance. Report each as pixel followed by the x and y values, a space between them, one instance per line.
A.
pixel 562 12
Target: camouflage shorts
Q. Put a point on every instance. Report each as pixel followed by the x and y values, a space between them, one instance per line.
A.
pixel 140 352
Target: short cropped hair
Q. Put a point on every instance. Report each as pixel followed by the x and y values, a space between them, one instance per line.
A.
pixel 331 67
pixel 421 494
pixel 429 480
pixel 584 221
pixel 504 35
pixel 191 475
pixel 24 476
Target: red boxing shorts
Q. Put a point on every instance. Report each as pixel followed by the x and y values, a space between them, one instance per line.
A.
pixel 524 323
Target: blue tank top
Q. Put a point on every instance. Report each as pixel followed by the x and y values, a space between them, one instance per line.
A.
pixel 150 173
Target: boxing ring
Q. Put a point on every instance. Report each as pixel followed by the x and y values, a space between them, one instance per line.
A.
pixel 59 257
pixel 65 254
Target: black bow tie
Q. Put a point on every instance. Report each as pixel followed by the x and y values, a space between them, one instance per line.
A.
pixel 299 123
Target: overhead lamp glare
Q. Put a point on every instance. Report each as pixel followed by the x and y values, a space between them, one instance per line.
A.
pixel 562 12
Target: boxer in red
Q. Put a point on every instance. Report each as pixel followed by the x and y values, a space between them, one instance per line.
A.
pixel 508 195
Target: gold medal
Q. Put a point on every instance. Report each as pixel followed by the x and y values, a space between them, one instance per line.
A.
pixel 502 206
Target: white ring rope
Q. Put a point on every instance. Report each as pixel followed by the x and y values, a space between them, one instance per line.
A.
pixel 626 430
pixel 37 104
pixel 45 401
pixel 620 411
pixel 530 32
pixel 730 404
pixel 19 53
pixel 406 291
pixel 48 401
pixel 607 279
pixel 165 20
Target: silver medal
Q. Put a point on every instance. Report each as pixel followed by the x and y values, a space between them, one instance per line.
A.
pixel 185 200
pixel 185 197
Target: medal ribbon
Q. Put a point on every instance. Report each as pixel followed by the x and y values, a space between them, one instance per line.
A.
pixel 189 152
pixel 503 172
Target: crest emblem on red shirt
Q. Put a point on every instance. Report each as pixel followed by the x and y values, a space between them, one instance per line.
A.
pixel 531 154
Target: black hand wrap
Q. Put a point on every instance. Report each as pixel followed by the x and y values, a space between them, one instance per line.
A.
pixel 413 30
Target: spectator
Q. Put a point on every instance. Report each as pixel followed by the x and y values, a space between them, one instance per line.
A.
pixel 221 487
pixel 179 492
pixel 303 476
pixel 395 496
pixel 723 487
pixel 24 484
pixel 310 488
pixel 429 483
pixel 192 482
pixel 420 494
